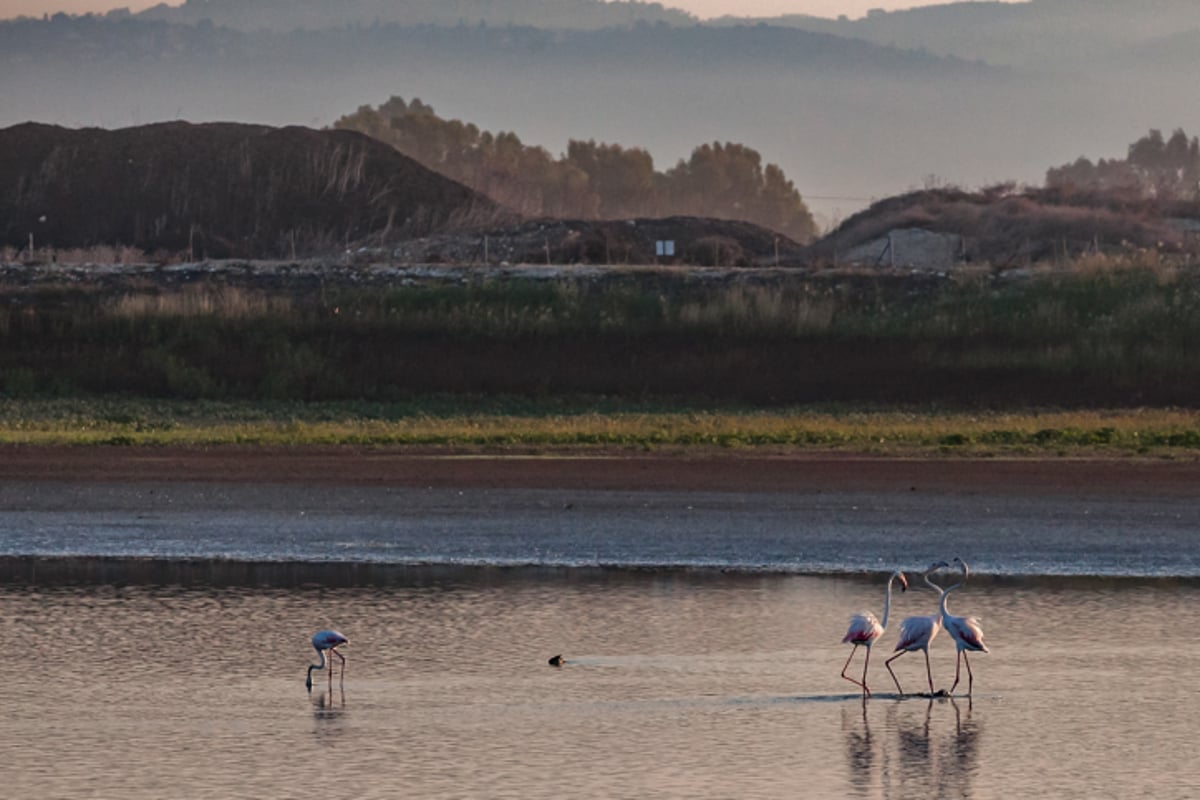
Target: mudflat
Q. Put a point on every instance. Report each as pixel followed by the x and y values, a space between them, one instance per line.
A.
pixel 684 470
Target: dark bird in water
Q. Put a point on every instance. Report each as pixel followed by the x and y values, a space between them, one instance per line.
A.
pixel 557 661
pixel 331 641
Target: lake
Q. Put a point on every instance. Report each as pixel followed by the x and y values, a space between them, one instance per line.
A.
pixel 164 656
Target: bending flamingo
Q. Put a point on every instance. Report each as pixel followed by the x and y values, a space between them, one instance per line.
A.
pixel 965 631
pixel 865 629
pixel 916 633
pixel 322 641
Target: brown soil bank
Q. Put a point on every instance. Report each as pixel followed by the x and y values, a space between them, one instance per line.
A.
pixel 697 470
pixel 219 189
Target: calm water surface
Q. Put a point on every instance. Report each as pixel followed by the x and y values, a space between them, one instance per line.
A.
pixel 678 685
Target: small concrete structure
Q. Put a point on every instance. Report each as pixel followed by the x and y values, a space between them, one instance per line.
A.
pixel 912 248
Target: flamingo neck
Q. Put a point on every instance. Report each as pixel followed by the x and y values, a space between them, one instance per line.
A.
pixel 887 602
pixel 321 665
pixel 946 593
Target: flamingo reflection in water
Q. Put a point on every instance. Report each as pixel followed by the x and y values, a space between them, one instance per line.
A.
pixel 322 641
pixel 865 629
pixel 916 633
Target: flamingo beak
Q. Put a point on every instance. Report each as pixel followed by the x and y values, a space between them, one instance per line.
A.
pixel 903 583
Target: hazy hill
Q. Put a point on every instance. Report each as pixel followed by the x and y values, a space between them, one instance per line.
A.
pixel 284 15
pixel 223 189
pixel 1038 32
pixel 847 119
pixel 815 104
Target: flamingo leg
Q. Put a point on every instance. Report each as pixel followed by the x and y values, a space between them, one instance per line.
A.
pixel 957 669
pixel 847 666
pixel 929 672
pixel 343 660
pixel 866 662
pixel 970 677
pixel 888 664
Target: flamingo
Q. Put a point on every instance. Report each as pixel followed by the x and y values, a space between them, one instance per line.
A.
pixel 322 641
pixel 916 633
pixel 865 629
pixel 965 631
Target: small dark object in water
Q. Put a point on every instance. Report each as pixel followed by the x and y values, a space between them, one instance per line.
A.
pixel 557 661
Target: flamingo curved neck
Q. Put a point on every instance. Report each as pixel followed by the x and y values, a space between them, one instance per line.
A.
pixel 311 667
pixel 946 593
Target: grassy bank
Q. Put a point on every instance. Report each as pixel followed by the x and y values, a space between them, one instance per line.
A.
pixel 1097 334
pixel 500 423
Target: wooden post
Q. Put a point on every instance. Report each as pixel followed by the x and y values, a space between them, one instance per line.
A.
pixel 547 244
pixel 485 250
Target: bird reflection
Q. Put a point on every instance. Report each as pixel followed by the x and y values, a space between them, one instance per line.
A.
pixel 860 749
pixel 329 705
pixel 962 752
pixel 913 738
pixel 919 749
pixel 329 716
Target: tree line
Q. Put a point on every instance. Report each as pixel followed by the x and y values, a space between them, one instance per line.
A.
pixel 591 180
pixel 1154 167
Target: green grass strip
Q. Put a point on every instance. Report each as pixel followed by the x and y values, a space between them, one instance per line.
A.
pixel 513 422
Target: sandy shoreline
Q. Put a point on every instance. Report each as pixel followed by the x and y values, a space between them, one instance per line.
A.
pixel 691 470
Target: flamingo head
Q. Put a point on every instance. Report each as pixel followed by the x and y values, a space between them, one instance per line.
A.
pixel 961 564
pixel 903 581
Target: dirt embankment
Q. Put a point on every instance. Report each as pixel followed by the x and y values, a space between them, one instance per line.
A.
pixel 696 469
pixel 216 189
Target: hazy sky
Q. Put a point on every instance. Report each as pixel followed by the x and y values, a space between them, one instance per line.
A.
pixel 702 8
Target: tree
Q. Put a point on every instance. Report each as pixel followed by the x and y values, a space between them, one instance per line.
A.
pixel 1154 167
pixel 592 180
pixel 622 180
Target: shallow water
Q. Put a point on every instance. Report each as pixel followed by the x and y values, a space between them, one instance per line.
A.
pixel 158 638
pixel 677 685
pixel 803 532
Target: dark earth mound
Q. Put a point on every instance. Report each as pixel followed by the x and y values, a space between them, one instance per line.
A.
pixel 185 192
pixel 694 241
pixel 217 189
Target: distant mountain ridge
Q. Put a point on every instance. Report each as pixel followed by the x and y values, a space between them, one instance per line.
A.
pixel 1026 34
pixel 285 15
pixel 694 47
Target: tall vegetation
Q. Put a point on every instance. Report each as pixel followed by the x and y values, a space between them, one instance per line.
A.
pixel 591 180
pixel 1096 336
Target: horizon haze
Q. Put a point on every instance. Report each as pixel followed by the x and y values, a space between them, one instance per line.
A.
pixel 704 9
pixel 966 94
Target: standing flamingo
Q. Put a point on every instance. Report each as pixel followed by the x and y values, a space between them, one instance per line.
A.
pixel 322 641
pixel 916 633
pixel 865 629
pixel 965 631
